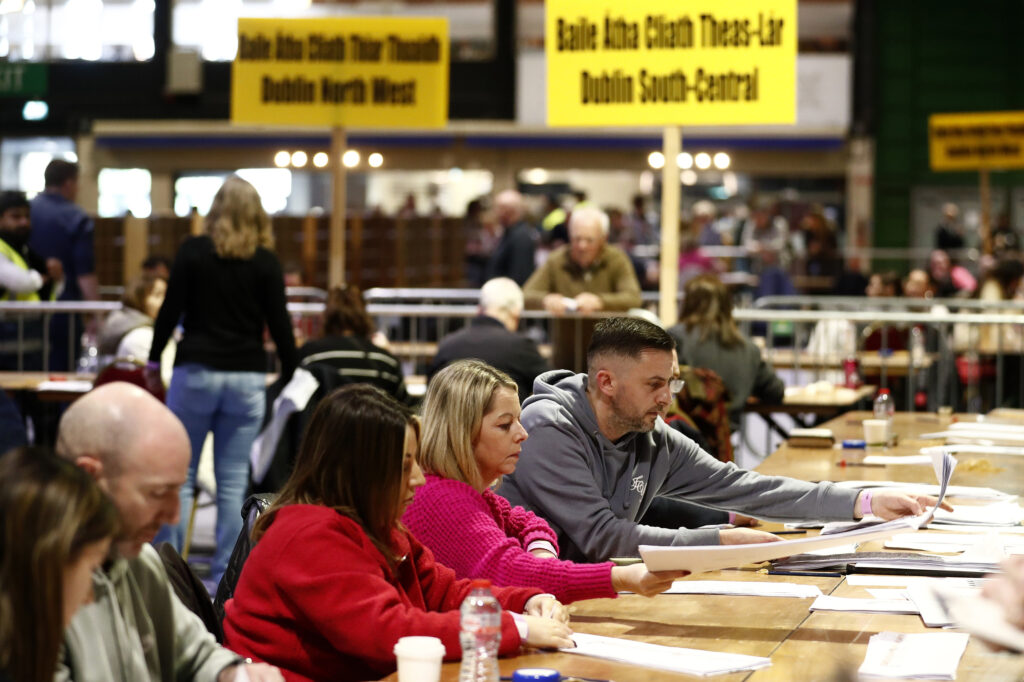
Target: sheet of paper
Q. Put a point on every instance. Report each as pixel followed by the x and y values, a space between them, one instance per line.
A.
pixel 973 448
pixel 985 426
pixel 995 514
pixel 865 579
pixel 70 386
pixel 954 542
pixel 752 588
pixel 857 605
pixel 887 593
pixel 929 655
pixel 981 617
pixel 978 437
pixel 293 398
pixel 675 659
pixel 934 609
pixel 699 559
pixel 963 491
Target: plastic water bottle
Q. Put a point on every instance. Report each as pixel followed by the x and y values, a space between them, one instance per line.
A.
pixel 917 349
pixel 884 407
pixel 480 635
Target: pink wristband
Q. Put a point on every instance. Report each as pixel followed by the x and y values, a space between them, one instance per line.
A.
pixel 865 503
pixel 732 517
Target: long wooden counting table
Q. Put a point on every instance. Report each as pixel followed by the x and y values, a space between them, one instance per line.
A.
pixel 802 645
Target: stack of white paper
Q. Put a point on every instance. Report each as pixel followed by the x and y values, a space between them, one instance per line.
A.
pixel 931 655
pixel 829 603
pixel 866 579
pixel 995 514
pixel 976 449
pixel 953 542
pixel 675 659
pixel 745 588
pixel 900 562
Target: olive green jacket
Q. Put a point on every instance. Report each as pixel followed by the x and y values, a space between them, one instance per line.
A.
pixel 611 277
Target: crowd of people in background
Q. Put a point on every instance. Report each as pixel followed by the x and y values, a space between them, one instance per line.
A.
pixel 527 471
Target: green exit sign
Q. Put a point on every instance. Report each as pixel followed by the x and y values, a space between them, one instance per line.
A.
pixel 23 80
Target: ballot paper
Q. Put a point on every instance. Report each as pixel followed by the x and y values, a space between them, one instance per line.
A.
pixel 701 558
pixel 953 542
pixel 67 386
pixel 963 491
pixel 934 609
pixel 674 659
pixel 932 655
pixel 981 617
pixel 898 460
pixel 857 605
pixel 995 514
pixel 893 562
pixel 746 588
pixel 979 436
pixel 973 448
pixel 866 579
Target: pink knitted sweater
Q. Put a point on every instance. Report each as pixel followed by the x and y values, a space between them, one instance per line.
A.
pixel 483 536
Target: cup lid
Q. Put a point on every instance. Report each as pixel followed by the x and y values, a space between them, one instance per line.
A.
pixel 419 645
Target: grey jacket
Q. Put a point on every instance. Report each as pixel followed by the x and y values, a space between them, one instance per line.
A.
pixel 137 630
pixel 592 491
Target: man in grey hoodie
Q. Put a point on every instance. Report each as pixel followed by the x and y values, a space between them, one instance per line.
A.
pixel 599 453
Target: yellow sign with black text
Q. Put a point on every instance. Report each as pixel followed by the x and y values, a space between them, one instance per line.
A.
pixel 665 62
pixel 964 142
pixel 378 72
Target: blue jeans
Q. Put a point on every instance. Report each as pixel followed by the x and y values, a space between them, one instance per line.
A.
pixel 231 405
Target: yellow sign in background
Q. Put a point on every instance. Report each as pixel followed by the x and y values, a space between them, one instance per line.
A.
pixel 665 62
pixel 342 71
pixel 992 139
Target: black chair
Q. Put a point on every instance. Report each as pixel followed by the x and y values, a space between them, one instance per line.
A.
pixel 190 589
pixel 253 506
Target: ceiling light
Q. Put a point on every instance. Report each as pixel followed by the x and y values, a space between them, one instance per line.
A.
pixel 656 160
pixel 703 161
pixel 299 159
pixel 282 159
pixel 721 160
pixel 376 160
pixel 320 159
pixel 350 158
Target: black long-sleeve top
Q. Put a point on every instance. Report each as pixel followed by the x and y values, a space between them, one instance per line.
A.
pixel 225 303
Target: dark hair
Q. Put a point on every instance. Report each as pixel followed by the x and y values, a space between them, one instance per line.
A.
pixel 1007 271
pixel 707 307
pixel 345 312
pixel 12 199
pixel 351 459
pixel 138 290
pixel 627 337
pixel 891 279
pixel 60 171
pixel 50 510
pixel 153 262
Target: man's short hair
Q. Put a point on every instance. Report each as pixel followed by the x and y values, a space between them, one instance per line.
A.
pixel 12 199
pixel 627 337
pixel 589 214
pixel 60 171
pixel 153 262
pixel 501 293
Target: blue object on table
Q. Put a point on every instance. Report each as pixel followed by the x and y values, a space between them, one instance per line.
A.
pixel 536 675
pixel 854 444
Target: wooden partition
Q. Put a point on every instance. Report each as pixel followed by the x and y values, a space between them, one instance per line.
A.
pixel 379 251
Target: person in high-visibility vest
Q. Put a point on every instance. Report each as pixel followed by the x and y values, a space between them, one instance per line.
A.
pixel 24 277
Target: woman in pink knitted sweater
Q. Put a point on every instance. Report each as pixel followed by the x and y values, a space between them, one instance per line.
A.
pixel 471 437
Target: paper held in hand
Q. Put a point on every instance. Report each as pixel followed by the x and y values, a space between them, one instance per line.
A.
pixel 700 559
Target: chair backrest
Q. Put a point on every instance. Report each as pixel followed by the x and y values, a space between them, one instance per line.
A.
pixel 252 508
pixel 127 370
pixel 190 589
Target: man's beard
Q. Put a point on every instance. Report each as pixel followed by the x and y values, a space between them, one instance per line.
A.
pixel 630 423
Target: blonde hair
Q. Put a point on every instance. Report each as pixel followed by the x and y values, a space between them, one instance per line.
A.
pixel 457 399
pixel 707 306
pixel 237 223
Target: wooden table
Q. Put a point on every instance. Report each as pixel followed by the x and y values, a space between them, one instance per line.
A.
pixel 872 363
pixel 799 401
pixel 13 382
pixel 802 645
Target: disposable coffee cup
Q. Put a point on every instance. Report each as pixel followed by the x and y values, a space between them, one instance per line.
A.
pixel 419 659
pixel 876 432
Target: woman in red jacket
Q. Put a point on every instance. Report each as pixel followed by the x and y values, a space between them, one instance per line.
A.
pixel 335 580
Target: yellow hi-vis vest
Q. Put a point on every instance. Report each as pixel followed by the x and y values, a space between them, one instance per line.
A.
pixel 7 251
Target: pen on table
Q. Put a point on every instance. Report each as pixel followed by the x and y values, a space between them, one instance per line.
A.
pixel 844 463
pixel 787 532
pixel 810 574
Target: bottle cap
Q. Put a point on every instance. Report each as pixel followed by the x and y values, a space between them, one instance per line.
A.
pixel 480 582
pixel 883 391
pixel 536 674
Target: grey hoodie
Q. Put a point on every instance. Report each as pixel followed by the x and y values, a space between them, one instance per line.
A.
pixel 592 491
pixel 117 324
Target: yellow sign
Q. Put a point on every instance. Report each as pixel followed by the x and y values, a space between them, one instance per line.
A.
pixel 992 139
pixel 665 62
pixel 342 71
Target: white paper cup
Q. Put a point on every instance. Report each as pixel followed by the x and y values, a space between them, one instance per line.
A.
pixel 419 659
pixel 876 432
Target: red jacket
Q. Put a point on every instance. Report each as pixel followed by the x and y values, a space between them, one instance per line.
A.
pixel 319 601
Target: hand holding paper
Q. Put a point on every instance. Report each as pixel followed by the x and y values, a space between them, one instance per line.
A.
pixel 893 504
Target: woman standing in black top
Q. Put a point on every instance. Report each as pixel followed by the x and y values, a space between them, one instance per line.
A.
pixel 224 287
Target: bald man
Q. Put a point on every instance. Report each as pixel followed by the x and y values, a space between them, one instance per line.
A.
pixel 136 628
pixel 513 256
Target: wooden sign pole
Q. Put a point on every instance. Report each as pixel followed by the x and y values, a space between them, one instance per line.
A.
pixel 985 190
pixel 672 144
pixel 336 242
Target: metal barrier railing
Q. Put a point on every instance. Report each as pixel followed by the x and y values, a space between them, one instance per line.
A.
pixel 882 303
pixel 971 360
